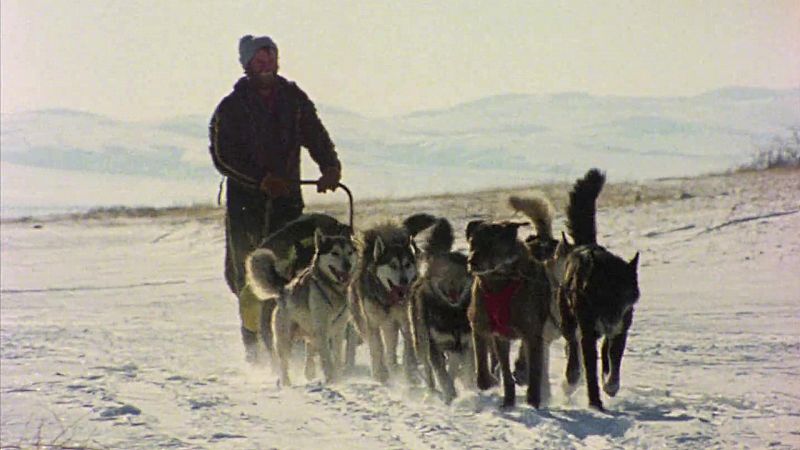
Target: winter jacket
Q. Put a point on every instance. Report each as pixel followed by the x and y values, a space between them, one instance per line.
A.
pixel 250 139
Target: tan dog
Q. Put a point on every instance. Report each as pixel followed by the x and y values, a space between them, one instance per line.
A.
pixel 511 298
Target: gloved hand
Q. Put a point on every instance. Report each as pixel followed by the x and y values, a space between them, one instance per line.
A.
pixel 329 180
pixel 274 186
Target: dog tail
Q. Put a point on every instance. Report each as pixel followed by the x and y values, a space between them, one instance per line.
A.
pixel 261 274
pixel 433 235
pixel 538 209
pixel 418 222
pixel 582 207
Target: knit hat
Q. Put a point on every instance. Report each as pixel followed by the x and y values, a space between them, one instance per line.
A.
pixel 249 45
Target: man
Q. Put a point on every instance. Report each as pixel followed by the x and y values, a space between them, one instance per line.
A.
pixel 256 134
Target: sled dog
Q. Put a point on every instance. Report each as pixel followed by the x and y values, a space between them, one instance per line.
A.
pixel 438 310
pixel 379 293
pixel 312 306
pixel 510 299
pixel 597 294
pixel 292 247
pixel 541 246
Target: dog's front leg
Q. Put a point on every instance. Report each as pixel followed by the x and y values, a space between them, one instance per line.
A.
pixel 571 347
pixel 267 311
pixel 502 348
pixel 536 369
pixel 390 338
pixel 323 345
pixel 445 381
pixel 467 367
pixel 521 366
pixel 352 339
pixel 409 354
pixel 589 350
pixel 613 349
pixel 379 371
pixel 337 341
pixel 483 378
pixel 282 335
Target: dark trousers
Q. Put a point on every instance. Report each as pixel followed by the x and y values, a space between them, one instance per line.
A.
pixel 250 217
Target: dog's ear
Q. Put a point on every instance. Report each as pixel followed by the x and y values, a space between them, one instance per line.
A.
pixel 318 238
pixel 377 251
pixel 346 230
pixel 510 228
pixel 563 247
pixel 634 263
pixel 472 226
pixel 415 250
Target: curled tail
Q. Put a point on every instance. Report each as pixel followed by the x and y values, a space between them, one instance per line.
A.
pixel 418 222
pixel 582 207
pixel 431 234
pixel 539 211
pixel 262 275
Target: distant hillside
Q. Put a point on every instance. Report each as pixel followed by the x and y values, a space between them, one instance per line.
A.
pixel 496 141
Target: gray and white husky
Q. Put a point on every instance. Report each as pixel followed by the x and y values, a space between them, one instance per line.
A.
pixel 438 311
pixel 379 293
pixel 312 306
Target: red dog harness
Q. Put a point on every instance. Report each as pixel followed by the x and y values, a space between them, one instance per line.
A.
pixel 498 307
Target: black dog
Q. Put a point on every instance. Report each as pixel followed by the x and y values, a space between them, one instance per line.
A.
pixel 596 295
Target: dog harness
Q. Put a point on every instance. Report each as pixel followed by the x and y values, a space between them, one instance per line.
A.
pixel 326 294
pixel 498 307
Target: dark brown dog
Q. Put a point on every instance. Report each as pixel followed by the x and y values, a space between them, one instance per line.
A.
pixel 510 300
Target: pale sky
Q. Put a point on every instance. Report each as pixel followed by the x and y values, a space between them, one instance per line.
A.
pixel 143 60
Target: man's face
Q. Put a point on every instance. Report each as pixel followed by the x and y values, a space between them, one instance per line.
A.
pixel 264 64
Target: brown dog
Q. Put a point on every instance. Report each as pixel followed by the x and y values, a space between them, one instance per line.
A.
pixel 510 300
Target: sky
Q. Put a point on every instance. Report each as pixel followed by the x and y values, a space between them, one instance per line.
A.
pixel 152 60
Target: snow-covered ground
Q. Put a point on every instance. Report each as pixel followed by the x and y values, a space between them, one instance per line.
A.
pixel 120 333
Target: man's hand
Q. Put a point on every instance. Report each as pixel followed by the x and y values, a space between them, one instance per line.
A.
pixel 329 180
pixel 274 186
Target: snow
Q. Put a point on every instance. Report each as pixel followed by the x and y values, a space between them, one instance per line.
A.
pixel 120 333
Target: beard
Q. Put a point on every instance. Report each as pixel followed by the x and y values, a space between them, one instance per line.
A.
pixel 263 80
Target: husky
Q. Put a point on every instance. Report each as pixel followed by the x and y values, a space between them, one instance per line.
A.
pixel 293 249
pixel 596 295
pixel 510 299
pixel 312 306
pixel 379 293
pixel 438 310
pixel 541 246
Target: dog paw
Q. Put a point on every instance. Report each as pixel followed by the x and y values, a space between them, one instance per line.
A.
pixel 598 405
pixel 611 388
pixel 508 403
pixel 381 375
pixel 568 388
pixel 486 381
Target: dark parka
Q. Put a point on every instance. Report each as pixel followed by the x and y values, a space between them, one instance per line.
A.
pixel 249 140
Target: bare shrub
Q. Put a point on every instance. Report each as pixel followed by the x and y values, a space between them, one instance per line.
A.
pixel 782 152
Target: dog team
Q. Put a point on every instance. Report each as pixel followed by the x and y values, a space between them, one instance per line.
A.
pixel 457 313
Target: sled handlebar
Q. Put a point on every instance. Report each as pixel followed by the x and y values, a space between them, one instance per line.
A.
pixel 338 185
